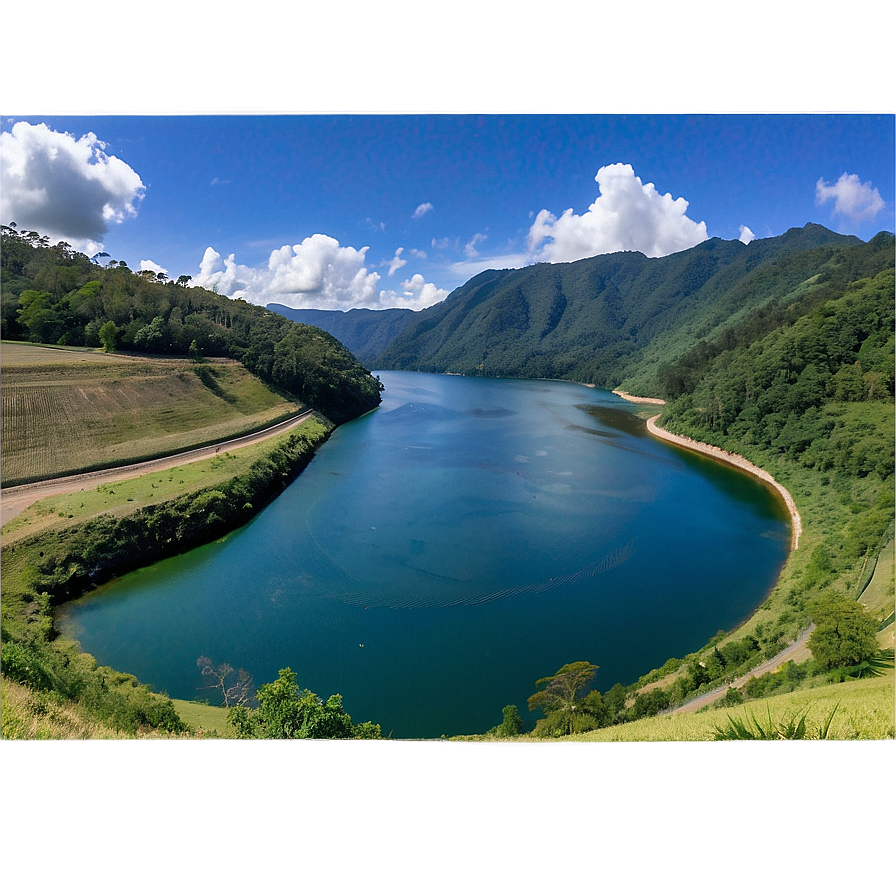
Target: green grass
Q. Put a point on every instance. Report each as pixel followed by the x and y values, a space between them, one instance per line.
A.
pixel 128 495
pixel 864 712
pixel 65 412
pixel 207 721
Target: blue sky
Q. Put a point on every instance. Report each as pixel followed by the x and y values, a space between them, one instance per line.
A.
pixel 336 211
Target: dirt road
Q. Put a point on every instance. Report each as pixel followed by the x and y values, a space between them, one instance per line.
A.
pixel 16 499
pixel 789 653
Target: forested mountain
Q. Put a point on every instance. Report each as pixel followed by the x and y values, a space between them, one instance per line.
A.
pixel 601 319
pixel 365 333
pixel 51 294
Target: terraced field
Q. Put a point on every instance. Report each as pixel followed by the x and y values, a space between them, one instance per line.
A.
pixel 65 411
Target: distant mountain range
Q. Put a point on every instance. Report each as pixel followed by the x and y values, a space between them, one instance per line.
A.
pixel 599 320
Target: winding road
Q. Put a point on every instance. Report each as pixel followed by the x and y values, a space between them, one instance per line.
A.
pixel 16 499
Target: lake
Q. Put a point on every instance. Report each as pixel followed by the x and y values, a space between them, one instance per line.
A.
pixel 442 553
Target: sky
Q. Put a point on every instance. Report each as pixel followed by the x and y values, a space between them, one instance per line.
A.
pixel 394 210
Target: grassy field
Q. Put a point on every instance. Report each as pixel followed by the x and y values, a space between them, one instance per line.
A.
pixel 65 411
pixel 126 496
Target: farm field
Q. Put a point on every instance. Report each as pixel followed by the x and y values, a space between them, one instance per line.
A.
pixel 66 411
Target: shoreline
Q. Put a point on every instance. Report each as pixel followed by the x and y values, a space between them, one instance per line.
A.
pixel 733 460
pixel 638 399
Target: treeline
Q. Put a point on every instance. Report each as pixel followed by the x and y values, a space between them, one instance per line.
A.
pixel 40 573
pixel 54 295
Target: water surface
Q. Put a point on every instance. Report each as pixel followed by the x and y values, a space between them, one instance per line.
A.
pixel 445 551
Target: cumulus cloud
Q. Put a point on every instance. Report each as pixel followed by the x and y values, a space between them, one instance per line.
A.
pixel 316 273
pixel 852 199
pixel 627 215
pixel 149 265
pixel 746 235
pixel 415 294
pixel 397 262
pixel 65 187
pixel 422 209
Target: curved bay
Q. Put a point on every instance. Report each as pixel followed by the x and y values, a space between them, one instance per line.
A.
pixel 473 535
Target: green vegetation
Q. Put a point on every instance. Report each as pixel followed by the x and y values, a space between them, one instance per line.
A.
pixel 53 295
pixel 71 411
pixel 618 318
pixel 287 711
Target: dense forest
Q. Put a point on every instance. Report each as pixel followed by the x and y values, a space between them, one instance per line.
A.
pixel 54 295
pixel 602 320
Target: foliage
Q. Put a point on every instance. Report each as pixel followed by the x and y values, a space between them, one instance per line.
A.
pixel 512 723
pixel 287 711
pixel 602 319
pixel 790 728
pixel 54 295
pixel 562 699
pixel 845 633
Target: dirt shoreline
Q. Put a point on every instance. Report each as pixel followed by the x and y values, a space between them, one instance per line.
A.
pixel 638 399
pixel 734 460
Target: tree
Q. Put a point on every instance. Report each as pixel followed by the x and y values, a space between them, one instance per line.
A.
pixel 845 633
pixel 109 336
pixel 512 724
pixel 561 698
pixel 287 711
pixel 235 687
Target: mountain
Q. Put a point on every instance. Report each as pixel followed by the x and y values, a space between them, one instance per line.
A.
pixel 365 333
pixel 601 319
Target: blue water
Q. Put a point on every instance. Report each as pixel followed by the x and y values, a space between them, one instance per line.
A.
pixel 442 553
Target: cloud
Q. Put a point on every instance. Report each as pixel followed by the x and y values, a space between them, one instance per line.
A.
pixel 422 209
pixel 628 215
pixel 746 236
pixel 316 273
pixel 852 198
pixel 470 248
pixel 397 262
pixel 416 294
pixel 148 265
pixel 418 253
pixel 66 188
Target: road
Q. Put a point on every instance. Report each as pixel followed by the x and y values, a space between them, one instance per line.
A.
pixel 16 499
pixel 788 653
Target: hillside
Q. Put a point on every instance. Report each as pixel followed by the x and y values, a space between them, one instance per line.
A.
pixel 69 410
pixel 365 333
pixel 606 319
pixel 54 295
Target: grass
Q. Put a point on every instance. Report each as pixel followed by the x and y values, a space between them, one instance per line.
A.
pixel 129 495
pixel 207 721
pixel 42 715
pixel 69 411
pixel 864 712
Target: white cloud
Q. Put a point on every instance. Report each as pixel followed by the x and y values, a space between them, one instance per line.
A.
pixel 852 198
pixel 470 248
pixel 628 215
pixel 422 209
pixel 397 262
pixel 746 235
pixel 66 188
pixel 316 273
pixel 418 253
pixel 416 294
pixel 148 265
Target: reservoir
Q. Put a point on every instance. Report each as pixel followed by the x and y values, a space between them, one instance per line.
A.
pixel 442 553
